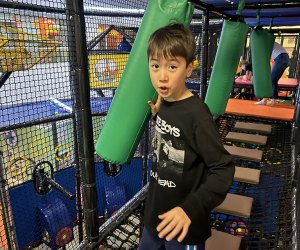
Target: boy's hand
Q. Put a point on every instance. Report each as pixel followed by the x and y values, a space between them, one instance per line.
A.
pixel 155 107
pixel 173 222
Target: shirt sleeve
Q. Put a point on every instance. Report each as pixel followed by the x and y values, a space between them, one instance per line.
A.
pixel 220 171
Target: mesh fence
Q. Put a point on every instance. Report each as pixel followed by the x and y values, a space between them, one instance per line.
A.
pixel 41 187
pixel 270 223
pixel 37 129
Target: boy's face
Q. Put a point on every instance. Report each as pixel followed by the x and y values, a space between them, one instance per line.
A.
pixel 168 76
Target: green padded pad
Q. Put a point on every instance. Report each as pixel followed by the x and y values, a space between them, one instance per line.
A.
pixel 232 41
pixel 261 43
pixel 129 111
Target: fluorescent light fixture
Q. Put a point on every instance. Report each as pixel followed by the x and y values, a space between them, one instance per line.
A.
pixel 114 10
pixel 212 21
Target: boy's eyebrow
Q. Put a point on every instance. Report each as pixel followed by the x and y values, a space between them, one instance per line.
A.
pixel 171 59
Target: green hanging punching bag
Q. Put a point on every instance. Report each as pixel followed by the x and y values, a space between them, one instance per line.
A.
pixel 261 43
pixel 227 58
pixel 129 111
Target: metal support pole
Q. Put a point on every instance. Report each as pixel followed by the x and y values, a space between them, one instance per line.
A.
pixel 296 71
pixel 4 77
pixel 145 153
pixel 204 54
pixel 55 143
pixel 5 210
pixel 83 117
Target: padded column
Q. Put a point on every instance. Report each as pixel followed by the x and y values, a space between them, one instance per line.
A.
pixel 261 42
pixel 227 58
pixel 129 111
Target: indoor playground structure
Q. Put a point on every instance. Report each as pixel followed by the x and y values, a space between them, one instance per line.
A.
pixel 76 138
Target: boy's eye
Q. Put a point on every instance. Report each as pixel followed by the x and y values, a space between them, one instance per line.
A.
pixel 155 66
pixel 173 67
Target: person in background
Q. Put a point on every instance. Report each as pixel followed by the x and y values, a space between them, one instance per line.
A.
pixel 281 62
pixel 191 170
pixel 246 72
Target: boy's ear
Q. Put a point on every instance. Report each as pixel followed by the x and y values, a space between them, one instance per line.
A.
pixel 190 68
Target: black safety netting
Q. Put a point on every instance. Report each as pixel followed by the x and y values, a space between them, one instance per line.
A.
pixel 270 223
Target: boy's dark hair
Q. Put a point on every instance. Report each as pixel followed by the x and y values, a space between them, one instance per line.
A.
pixel 171 41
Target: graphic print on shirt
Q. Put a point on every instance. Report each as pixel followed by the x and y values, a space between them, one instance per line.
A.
pixel 168 158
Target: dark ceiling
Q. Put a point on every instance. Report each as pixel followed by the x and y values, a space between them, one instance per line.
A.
pixel 281 13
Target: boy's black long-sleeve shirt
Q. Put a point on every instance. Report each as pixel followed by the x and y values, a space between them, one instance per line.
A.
pixel 191 169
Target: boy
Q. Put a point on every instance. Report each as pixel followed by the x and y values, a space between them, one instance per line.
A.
pixel 191 171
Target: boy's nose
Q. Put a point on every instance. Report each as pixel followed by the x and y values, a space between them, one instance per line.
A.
pixel 163 75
